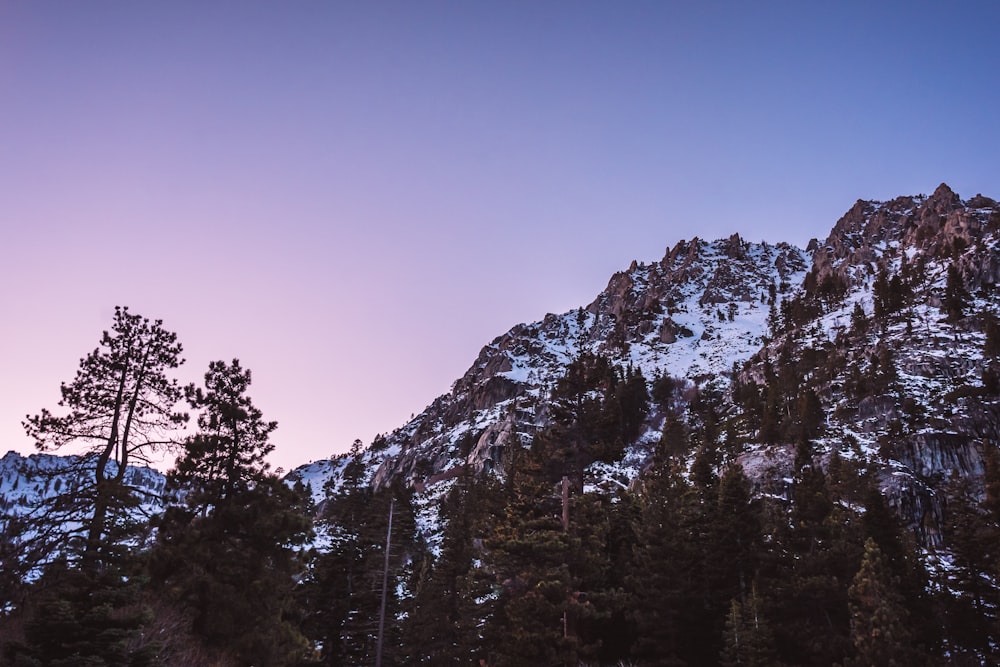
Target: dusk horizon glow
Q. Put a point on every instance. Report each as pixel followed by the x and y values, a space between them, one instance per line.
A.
pixel 353 199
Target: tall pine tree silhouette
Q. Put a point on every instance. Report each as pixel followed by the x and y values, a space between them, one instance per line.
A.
pixel 229 554
pixel 121 409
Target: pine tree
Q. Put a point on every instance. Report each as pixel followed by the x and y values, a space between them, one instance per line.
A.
pixel 813 554
pixel 972 531
pixel 597 607
pixel 859 321
pixel 227 455
pixel 230 553
pixel 736 534
pixel 121 409
pixel 902 560
pixel 442 625
pixel 235 569
pixel 748 638
pixel 528 553
pixel 550 573
pixel 880 292
pixel 331 591
pixel 956 297
pixel 810 415
pixel 631 399
pixel 697 549
pixel 614 519
pixel 991 348
pixel 770 421
pixel 664 390
pixel 595 413
pixel 660 564
pixel 84 617
pixel 341 595
pixel 879 619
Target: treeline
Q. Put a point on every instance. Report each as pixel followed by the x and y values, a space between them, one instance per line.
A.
pixel 687 566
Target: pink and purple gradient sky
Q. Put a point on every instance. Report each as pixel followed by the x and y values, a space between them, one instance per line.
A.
pixel 352 197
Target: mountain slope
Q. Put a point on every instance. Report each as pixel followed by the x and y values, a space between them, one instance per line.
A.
pixel 703 308
pixel 898 355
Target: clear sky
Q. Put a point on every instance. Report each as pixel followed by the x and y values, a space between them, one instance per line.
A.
pixel 354 197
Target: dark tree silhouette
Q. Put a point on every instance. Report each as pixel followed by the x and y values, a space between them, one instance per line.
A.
pixel 121 410
pixel 229 553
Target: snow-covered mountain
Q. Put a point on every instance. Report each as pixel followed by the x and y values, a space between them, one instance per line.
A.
pixel 707 310
pixel 855 376
pixel 866 321
pixel 695 314
pixel 34 489
pixel 26 481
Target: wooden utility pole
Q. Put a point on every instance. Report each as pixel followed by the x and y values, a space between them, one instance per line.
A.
pixel 565 525
pixel 565 503
pixel 385 588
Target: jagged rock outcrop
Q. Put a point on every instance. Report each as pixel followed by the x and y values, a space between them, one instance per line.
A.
pixel 931 225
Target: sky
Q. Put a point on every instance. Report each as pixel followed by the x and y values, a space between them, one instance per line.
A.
pixel 353 198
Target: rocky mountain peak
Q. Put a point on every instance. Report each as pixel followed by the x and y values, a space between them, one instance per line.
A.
pixel 704 307
pixel 933 227
pixel 906 372
pixel 943 201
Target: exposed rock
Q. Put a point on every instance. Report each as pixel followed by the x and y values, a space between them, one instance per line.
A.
pixel 936 456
